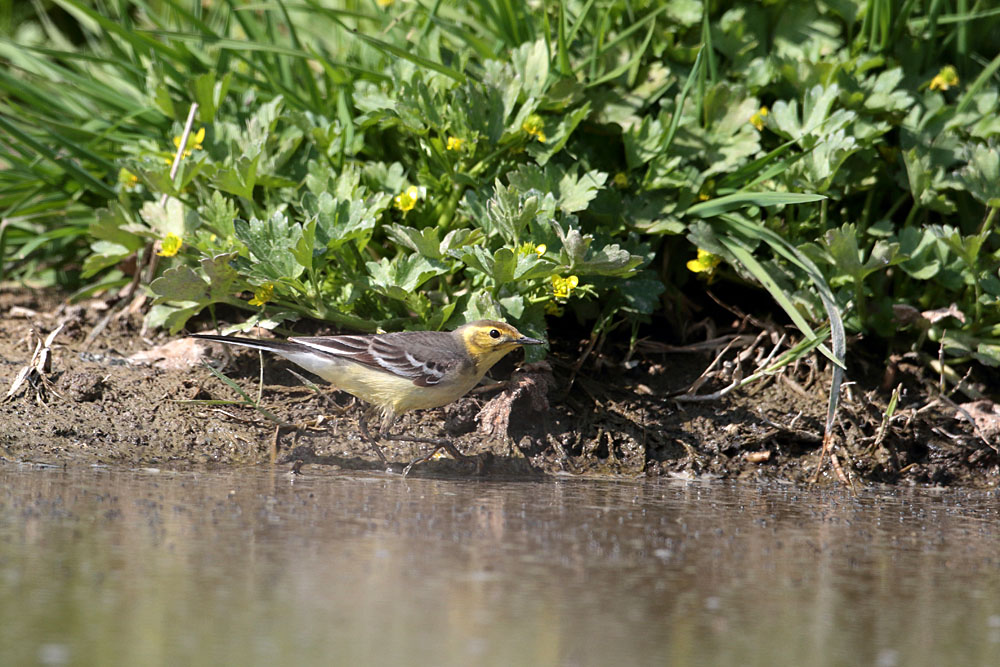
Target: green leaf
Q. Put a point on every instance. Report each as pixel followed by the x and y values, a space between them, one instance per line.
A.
pixel 531 64
pixel 642 293
pixel 172 218
pixel 847 256
pixel 482 306
pixel 221 275
pixel 580 258
pixel 340 221
pixel 180 283
pixel 425 242
pixel 988 354
pixel 531 266
pixel 272 245
pixel 110 224
pixel 513 305
pixel 981 176
pixel 305 247
pixel 506 213
pixel 611 260
pixel 719 205
pixel 478 258
pixel 172 318
pixel 883 92
pixel 218 214
pixel 238 179
pixel 572 193
pixel 643 142
pixel 398 277
pixel 558 136
pixel 504 263
pixel 104 254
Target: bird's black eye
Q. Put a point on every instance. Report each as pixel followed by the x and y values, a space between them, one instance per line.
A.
pixel 494 333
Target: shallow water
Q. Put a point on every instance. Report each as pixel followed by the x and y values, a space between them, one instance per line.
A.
pixel 252 566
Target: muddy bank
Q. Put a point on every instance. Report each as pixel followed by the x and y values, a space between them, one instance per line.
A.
pixel 98 406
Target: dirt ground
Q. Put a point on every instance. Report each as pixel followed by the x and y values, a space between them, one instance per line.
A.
pixel 102 404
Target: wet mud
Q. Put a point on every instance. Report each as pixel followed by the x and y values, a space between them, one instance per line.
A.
pixel 100 403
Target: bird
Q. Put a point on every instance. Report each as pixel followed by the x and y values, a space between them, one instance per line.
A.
pixel 398 372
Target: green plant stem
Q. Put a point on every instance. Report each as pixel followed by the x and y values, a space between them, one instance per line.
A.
pixel 457 190
pixel 987 226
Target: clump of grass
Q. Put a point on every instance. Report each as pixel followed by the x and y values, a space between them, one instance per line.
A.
pixel 390 164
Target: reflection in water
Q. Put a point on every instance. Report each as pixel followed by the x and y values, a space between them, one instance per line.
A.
pixel 253 567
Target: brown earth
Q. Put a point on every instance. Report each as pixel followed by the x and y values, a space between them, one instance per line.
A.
pixel 95 406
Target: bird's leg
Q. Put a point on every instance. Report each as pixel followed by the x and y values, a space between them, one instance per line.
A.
pixel 372 441
pixel 439 443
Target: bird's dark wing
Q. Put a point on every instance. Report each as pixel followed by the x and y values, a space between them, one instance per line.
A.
pixel 422 356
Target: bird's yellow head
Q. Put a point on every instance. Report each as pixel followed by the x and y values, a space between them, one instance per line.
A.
pixel 487 341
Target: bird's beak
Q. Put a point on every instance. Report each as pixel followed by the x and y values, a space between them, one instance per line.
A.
pixel 524 340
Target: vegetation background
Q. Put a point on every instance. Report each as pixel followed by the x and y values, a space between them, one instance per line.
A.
pixel 416 164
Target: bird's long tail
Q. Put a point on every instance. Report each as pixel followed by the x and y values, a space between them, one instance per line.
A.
pixel 315 361
pixel 277 346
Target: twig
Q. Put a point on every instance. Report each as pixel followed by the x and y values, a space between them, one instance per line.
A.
pixel 129 301
pixel 715 362
pixel 844 479
pixel 179 155
pixel 790 428
pixel 975 427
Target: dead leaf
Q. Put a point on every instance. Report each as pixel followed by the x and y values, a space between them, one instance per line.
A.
pixel 938 314
pixel 986 414
pixel 180 354
pixel 37 368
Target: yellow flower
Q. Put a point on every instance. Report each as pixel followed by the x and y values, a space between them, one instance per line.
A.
pixel 620 180
pixel 529 247
pixel 535 127
pixel 563 287
pixel 194 140
pixel 705 263
pixel 406 200
pixel 455 144
pixel 707 188
pixel 383 4
pixel 170 245
pixel 757 120
pixel 193 144
pixel 128 180
pixel 262 294
pixel 945 79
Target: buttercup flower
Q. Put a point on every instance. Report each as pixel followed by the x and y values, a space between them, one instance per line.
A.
pixel 455 144
pixel 945 79
pixel 707 189
pixel 534 126
pixel 529 247
pixel 620 180
pixel 193 144
pixel 170 245
pixel 407 200
pixel 705 263
pixel 262 294
pixel 128 180
pixel 563 287
pixel 757 120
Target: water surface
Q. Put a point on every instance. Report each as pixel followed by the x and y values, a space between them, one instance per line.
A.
pixel 252 566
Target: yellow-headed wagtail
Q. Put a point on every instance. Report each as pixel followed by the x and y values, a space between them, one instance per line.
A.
pixel 398 372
